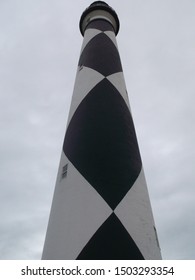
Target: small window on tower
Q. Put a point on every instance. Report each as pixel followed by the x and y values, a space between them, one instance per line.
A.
pixel 64 171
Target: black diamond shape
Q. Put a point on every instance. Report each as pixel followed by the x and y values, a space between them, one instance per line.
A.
pixel 101 55
pixel 111 242
pixel 101 143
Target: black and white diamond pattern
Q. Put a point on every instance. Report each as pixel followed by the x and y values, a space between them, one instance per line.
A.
pixel 101 209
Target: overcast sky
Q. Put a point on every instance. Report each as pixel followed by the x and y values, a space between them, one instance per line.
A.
pixel 39 49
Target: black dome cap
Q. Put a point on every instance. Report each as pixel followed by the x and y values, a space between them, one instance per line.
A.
pixel 99 5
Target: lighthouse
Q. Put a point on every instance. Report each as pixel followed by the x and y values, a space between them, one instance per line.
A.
pixel 101 208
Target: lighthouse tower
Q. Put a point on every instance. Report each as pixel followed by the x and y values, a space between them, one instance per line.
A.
pixel 101 209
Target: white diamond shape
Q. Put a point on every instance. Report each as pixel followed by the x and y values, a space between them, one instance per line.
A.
pixel 86 79
pixel 117 79
pixel 77 212
pixel 135 213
